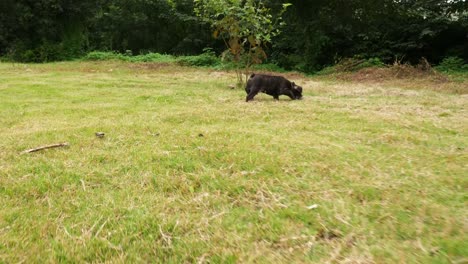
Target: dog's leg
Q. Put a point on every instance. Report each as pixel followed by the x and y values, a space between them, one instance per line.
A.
pixel 254 91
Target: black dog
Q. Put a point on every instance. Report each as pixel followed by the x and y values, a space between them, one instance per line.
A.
pixel 271 85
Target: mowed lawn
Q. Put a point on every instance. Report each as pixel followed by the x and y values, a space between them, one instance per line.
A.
pixel 187 172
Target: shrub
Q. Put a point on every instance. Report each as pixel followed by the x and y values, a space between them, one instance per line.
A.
pixel 103 55
pixel 372 62
pixel 46 51
pixel 268 67
pixel 452 64
pixel 352 65
pixel 207 59
pixel 27 56
pixel 292 62
pixel 151 57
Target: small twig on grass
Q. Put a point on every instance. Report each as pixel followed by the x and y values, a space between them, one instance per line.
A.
pixel 100 228
pixel 167 238
pixel 201 259
pixel 66 144
pixel 83 184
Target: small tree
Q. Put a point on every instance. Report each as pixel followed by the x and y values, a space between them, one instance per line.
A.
pixel 245 26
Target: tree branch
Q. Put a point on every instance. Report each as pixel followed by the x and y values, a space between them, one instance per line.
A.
pixel 65 144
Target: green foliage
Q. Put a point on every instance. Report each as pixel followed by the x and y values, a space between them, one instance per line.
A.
pixel 45 52
pixel 452 64
pixel 46 30
pixel 207 59
pixel 103 56
pixel 244 26
pixel 321 32
pixel 43 30
pixel 313 33
pixel 264 67
pixel 352 65
pixel 270 67
pixel 372 62
pixel 150 57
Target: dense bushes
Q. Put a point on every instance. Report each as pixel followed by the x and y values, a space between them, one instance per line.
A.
pixel 452 64
pixel 316 34
pixel 320 33
pixel 207 58
pixel 150 57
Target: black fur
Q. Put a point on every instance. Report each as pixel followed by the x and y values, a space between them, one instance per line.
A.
pixel 271 85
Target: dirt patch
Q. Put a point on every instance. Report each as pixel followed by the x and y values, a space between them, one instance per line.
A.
pixel 404 76
pixel 394 72
pixel 221 74
pixel 324 234
pixel 150 65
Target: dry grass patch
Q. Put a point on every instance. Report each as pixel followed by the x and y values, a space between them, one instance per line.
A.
pixel 403 76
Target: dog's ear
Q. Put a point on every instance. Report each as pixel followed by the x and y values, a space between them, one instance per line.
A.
pixel 299 89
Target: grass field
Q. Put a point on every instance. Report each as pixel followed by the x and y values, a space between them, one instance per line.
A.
pixel 356 172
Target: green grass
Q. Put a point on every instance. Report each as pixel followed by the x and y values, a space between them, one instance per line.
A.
pixel 189 172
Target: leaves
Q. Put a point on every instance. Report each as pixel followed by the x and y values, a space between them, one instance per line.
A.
pixel 315 33
pixel 241 22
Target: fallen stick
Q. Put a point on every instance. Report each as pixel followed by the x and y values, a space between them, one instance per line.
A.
pixel 66 144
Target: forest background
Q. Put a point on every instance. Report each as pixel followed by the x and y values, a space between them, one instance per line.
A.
pixel 316 33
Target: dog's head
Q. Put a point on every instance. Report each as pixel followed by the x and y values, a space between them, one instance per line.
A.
pixel 297 91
